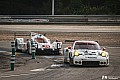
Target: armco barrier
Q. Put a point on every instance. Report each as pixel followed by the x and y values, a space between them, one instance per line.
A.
pixel 98 19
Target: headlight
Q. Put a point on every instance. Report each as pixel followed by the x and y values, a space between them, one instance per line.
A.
pixel 103 54
pixel 76 53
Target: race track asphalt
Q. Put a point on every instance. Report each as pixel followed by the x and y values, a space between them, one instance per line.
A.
pixel 53 68
pixel 60 28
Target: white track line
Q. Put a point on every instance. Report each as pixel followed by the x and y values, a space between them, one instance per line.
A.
pixel 17 75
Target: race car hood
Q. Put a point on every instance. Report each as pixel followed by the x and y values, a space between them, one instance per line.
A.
pixel 89 52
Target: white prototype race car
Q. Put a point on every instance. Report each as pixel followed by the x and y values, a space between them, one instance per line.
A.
pixel 42 44
pixel 86 53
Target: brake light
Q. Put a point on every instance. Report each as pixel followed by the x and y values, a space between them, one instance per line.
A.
pixel 46 46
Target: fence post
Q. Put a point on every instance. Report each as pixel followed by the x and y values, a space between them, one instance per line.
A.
pixel 33 49
pixel 12 56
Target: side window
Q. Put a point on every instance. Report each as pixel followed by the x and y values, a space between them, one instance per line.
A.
pixel 76 47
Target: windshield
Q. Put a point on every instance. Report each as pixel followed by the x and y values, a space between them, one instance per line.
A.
pixel 40 40
pixel 90 46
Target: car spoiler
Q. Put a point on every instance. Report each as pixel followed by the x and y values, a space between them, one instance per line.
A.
pixel 18 34
pixel 70 41
pixel 73 41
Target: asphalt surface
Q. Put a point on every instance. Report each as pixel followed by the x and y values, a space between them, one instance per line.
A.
pixel 52 67
pixel 60 28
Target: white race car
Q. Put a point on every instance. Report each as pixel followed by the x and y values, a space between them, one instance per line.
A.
pixel 42 44
pixel 86 53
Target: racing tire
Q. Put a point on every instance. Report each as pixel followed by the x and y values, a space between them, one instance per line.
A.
pixel 57 52
pixel 70 59
pixel 71 62
pixel 16 49
pixel 66 62
pixel 27 51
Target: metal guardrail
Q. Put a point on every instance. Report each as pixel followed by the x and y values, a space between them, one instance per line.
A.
pixel 110 19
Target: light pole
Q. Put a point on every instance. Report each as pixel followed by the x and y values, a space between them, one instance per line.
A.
pixel 53 8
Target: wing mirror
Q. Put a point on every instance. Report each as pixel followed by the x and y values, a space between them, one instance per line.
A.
pixel 69 47
pixel 103 49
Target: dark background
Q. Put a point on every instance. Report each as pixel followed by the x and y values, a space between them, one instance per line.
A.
pixel 62 7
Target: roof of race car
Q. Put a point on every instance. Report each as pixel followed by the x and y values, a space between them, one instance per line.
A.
pixel 95 42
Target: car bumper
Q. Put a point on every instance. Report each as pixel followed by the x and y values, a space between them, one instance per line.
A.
pixel 101 61
pixel 47 51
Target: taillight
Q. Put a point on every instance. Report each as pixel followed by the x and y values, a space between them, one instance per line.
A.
pixel 46 46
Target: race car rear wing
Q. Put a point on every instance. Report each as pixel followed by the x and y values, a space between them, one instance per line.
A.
pixel 30 34
pixel 73 41
pixel 18 34
pixel 69 40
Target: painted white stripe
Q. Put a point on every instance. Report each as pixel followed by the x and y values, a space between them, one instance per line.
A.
pixel 13 47
pixel 57 65
pixel 33 51
pixel 33 47
pixel 12 61
pixel 3 51
pixel 12 57
pixel 13 44
pixel 18 75
pixel 41 69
